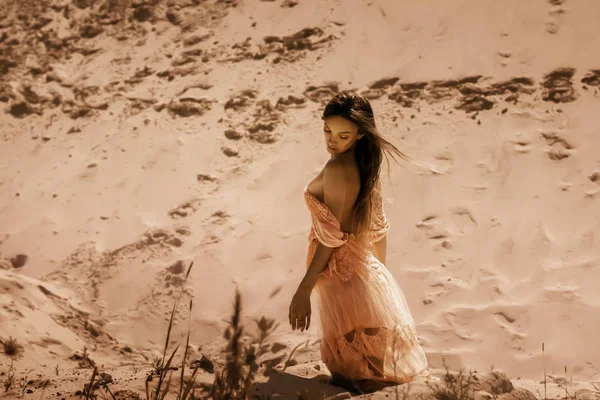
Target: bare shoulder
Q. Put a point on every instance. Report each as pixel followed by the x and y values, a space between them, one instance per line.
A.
pixel 340 176
pixel 335 168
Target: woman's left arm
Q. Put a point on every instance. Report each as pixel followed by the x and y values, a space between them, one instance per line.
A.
pixel 335 198
pixel 317 265
pixel 334 183
pixel 300 308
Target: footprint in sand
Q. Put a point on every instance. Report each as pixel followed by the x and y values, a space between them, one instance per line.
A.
pixel 557 86
pixel 522 146
pixel 206 178
pixel 562 294
pixel 241 101
pixel 185 209
pixel 409 94
pixel 504 58
pixel 558 147
pixel 592 78
pixel 443 164
pixel 189 107
pixel 210 239
pixel 508 321
pixel 294 47
pixel 427 222
pixel 504 317
pixel 439 290
pixel 471 95
pixel 522 141
pixel 459 318
pixel 291 101
pixel 174 275
pixel 595 177
pixel 322 93
pixel 265 119
pixel 289 48
pixel 556 16
pixel 445 286
pixel 219 217
pixel 458 221
pixel 209 183
pixel 463 220
pixel 433 226
pixel 258 118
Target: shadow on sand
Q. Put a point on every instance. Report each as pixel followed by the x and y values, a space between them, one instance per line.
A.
pixel 288 386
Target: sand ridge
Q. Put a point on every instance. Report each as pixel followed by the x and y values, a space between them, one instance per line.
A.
pixel 140 136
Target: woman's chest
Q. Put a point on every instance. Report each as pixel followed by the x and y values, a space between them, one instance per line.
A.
pixel 316 187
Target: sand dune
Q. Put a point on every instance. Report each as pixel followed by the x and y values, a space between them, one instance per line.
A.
pixel 139 136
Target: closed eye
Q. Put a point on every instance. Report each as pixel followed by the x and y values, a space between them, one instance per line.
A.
pixel 341 137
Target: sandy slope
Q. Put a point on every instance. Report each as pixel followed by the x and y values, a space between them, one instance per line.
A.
pixel 188 133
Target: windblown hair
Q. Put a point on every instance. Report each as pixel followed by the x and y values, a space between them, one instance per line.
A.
pixel 370 150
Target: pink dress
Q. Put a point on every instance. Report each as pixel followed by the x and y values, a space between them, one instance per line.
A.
pixel 366 329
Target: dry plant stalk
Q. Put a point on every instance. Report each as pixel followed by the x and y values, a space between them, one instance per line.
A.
pixel 455 387
pixel 236 380
pixel 544 362
pixel 164 367
pixel 10 379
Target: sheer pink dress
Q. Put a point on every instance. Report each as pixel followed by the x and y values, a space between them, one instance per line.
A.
pixel 366 329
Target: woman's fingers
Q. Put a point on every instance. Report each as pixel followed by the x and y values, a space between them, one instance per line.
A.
pixel 299 320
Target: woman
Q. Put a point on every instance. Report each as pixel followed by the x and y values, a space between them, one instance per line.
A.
pixel 368 334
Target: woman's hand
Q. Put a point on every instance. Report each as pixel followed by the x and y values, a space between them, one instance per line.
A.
pixel 300 310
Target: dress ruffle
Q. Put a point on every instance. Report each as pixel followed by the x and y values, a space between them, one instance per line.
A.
pixel 350 250
pixel 366 327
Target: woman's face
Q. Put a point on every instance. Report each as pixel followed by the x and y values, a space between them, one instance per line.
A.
pixel 340 134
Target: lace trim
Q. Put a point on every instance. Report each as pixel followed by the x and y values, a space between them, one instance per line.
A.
pixel 368 353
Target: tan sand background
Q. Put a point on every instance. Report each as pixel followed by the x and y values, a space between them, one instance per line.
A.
pixel 188 133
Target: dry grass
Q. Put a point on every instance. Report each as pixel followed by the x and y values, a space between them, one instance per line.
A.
pixel 12 349
pixel 455 386
pixel 10 379
pixel 236 380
